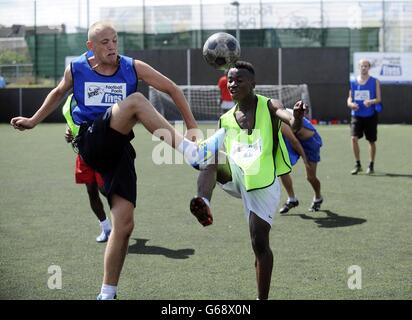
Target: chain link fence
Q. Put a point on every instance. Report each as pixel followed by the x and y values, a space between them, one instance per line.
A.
pixel 39 35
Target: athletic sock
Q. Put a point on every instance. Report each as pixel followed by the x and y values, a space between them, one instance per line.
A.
pixel 292 199
pixel 108 292
pixel 105 224
pixel 206 201
pixel 371 164
pixel 189 150
pixel 197 153
pixel 358 163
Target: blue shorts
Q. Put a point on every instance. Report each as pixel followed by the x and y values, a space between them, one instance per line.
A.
pixel 311 147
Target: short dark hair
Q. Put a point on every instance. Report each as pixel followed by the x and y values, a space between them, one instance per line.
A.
pixel 245 65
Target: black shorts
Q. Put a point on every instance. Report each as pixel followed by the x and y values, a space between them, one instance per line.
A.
pixel 367 126
pixel 111 154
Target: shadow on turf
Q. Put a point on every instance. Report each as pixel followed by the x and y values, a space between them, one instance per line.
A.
pixel 333 220
pixel 391 175
pixel 140 247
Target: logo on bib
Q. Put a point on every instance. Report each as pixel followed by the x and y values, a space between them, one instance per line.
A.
pixel 361 95
pixel 244 154
pixel 103 94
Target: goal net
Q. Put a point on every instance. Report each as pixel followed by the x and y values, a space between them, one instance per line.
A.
pixel 205 100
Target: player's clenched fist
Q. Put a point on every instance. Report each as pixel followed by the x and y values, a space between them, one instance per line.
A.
pixel 21 123
pixel 299 109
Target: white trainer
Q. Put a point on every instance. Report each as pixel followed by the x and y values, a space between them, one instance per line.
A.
pixel 104 236
pixel 209 147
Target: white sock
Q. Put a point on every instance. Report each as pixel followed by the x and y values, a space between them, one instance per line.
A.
pixel 206 201
pixel 105 224
pixel 294 199
pixel 189 149
pixel 108 292
pixel 194 154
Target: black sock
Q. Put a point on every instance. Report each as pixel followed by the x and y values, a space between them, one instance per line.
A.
pixel 371 164
pixel 358 163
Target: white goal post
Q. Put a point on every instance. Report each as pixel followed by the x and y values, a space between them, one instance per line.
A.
pixel 204 99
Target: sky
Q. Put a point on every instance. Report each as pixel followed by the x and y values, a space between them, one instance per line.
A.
pixel 49 12
pixel 74 12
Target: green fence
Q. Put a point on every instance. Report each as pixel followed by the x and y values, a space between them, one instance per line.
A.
pixel 48 52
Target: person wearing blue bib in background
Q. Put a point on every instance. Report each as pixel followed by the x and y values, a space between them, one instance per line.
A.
pixel 365 103
pixel 305 144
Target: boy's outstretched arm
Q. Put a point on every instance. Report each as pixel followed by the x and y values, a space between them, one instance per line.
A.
pixel 49 105
pixel 294 121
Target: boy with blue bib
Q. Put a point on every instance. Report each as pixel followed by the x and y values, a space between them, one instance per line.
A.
pixel 108 107
pixel 365 103
pixel 305 143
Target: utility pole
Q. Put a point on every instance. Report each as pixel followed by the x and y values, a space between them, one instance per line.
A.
pixel 237 4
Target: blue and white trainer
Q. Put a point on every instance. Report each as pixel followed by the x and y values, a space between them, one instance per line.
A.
pixel 209 147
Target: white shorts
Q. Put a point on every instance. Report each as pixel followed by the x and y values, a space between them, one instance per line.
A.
pixel 263 202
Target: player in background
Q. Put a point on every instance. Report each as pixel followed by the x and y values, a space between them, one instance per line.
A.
pixel 364 100
pixel 226 101
pixel 104 86
pixel 256 155
pixel 305 143
pixel 84 174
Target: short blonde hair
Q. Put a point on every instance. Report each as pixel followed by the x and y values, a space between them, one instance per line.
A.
pixel 98 26
pixel 365 60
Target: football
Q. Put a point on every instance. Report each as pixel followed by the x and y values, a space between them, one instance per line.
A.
pixel 221 50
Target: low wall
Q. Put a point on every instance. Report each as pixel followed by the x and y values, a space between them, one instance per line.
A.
pixel 328 103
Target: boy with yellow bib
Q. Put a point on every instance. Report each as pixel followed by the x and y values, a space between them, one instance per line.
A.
pixel 255 156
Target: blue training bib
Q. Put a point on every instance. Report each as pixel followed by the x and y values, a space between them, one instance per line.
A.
pixel 95 93
pixel 362 92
